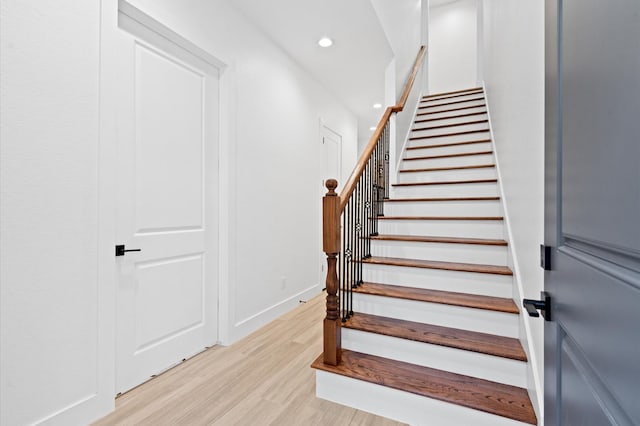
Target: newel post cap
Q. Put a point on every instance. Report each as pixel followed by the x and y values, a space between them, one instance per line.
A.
pixel 331 185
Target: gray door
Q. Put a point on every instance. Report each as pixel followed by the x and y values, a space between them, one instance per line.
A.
pixel 592 209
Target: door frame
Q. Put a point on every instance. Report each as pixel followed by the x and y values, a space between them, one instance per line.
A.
pixel 107 196
pixel 323 130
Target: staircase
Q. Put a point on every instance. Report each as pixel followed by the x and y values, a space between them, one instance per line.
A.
pixel 434 335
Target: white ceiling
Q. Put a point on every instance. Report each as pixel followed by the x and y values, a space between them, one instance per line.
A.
pixel 353 68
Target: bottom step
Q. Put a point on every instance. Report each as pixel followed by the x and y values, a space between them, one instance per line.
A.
pixel 508 402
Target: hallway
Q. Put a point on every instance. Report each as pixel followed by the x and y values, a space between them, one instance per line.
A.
pixel 261 380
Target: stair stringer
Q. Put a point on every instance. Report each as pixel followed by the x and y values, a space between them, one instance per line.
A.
pixel 534 386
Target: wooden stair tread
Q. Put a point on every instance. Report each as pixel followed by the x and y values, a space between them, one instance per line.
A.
pixel 439 199
pixel 451 103
pixel 442 145
pixel 450 117
pixel 438 264
pixel 443 126
pixel 446 135
pixel 451 109
pixel 451 96
pixel 463 154
pixel 433 95
pixel 489 344
pixel 489 303
pixel 494 398
pixel 440 169
pixel 449 182
pixel 440 218
pixel 433 239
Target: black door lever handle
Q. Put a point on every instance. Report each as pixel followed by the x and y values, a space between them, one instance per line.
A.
pixel 120 250
pixel 544 306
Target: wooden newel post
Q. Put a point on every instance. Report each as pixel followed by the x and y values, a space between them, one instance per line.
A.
pixel 331 246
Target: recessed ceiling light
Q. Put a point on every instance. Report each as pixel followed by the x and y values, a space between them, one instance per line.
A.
pixel 325 42
pixel 372 128
pixel 376 106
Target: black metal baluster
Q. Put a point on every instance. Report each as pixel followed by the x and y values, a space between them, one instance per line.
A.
pixel 386 161
pixel 367 213
pixel 359 209
pixel 381 173
pixel 374 194
pixel 345 264
pixel 356 245
pixel 352 232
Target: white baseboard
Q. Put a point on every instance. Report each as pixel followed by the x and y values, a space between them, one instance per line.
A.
pixel 250 324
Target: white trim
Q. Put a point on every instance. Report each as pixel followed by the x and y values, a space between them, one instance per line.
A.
pixel 128 15
pixel 406 137
pixel 536 392
pixel 227 208
pixel 106 224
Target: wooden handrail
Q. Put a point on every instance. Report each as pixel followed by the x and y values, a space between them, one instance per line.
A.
pixel 412 78
pixel 350 185
pixel 333 205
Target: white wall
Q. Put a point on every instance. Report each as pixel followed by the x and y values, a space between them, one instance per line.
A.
pixel 53 296
pixel 513 69
pixel 401 21
pixel 453 46
pixel 405 28
pixel 50 318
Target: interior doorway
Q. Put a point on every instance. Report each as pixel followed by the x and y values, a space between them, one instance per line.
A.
pixel 167 199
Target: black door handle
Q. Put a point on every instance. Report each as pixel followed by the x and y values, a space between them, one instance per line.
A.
pixel 120 251
pixel 544 306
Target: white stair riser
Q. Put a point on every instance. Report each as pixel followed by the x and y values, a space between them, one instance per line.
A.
pixel 399 405
pixel 443 208
pixel 465 253
pixel 444 228
pixel 449 175
pixel 446 138
pixel 455 120
pixel 428 129
pixel 489 189
pixel 480 320
pixel 467 160
pixel 431 107
pixel 445 150
pixel 480 108
pixel 459 361
pixel 438 279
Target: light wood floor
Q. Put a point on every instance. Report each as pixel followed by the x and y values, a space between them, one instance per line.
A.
pixel 264 379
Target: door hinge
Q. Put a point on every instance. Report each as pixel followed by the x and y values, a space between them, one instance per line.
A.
pixel 545 257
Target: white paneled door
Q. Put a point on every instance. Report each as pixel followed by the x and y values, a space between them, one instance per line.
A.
pixel 167 204
pixel 331 155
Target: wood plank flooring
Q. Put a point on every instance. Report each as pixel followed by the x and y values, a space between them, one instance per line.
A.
pixel 263 379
